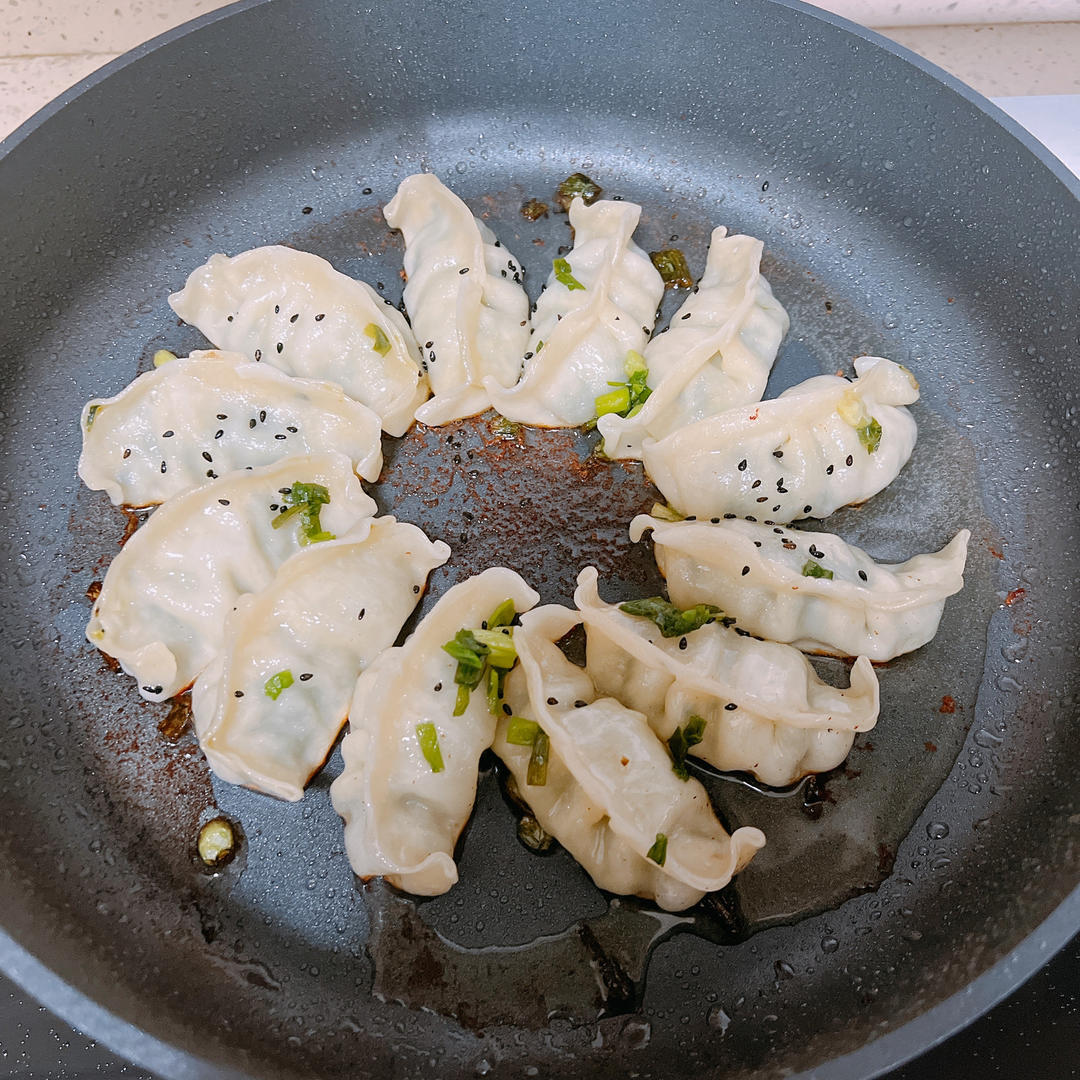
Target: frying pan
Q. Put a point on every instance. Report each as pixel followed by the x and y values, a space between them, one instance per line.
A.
pixel 902 215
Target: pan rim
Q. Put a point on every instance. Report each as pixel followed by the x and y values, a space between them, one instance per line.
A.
pixel 873 1059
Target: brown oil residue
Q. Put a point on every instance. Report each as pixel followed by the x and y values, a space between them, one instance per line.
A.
pixel 948 704
pixel 1015 596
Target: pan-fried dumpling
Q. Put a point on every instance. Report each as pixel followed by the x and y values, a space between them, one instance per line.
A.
pixel 598 305
pixel 808 588
pixel 162 607
pixel 270 705
pixel 760 706
pixel 820 445
pixel 293 310
pixel 464 296
pixel 609 794
pixel 151 440
pixel 411 765
pixel 716 353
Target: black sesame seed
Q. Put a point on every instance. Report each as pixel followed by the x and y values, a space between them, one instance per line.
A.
pixel 277 309
pixel 755 485
pixel 206 456
pixel 714 521
pixel 829 470
pixel 850 460
pixel 757 543
pixel 686 316
pixel 776 508
pixel 816 553
pixel 363 612
pixel 280 347
pixel 682 643
pixel 742 465
pixel 307 675
pixel 224 502
pixel 862 574
pixel 782 491
pixel 428 344
pixel 507 710
pixel 731 517
pixel 579 704
pixel 222 416
pixel 292 429
pixel 211 475
pixel 168 434
pixel 228 318
pixel 258 354
pixel 762 498
pixel 251 422
pixel 731 706
pixel 416 588
pixel 779 531
pixel 553 701
pixel 219 433
pixel 279 436
pixel 778 453
pixel 438 687
pixel 306 209
pixel 127 454
pixel 366 191
pixel 749 517
pixel 164 467
pixel 262 416
pixel 153 689
pixel 238 693
pixel 529 355
pixel 295 317
pixel 745 571
pixel 463 270
pixel 320 316
pixel 807 508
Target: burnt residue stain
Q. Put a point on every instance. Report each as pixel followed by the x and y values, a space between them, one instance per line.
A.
pixel 540 501
pixel 177 720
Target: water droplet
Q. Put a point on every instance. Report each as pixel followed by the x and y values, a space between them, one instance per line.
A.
pixel 889 321
pixel 1007 683
pixel 908 222
pixel 890 165
pixel 937 830
pixel 460 167
pixel 987 739
pixel 829 945
pixel 636 1034
pixel 718 1019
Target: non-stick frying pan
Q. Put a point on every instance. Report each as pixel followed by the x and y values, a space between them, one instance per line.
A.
pixel 902 216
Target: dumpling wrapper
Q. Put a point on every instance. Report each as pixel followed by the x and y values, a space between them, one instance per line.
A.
pixel 148 443
pixel 402 819
pixel 162 607
pixel 765 708
pixel 715 354
pixel 329 611
pixel 710 468
pixel 581 337
pixel 464 296
pixel 610 786
pixel 877 610
pixel 293 310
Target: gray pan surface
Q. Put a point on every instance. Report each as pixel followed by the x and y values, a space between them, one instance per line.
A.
pixel 902 216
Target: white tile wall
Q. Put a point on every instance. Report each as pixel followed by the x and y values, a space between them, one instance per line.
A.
pixel 46 45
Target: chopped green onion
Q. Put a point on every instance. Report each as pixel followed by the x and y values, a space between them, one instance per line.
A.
pixel 276 683
pixel 521 732
pixel 381 343
pixel 534 209
pixel 577 184
pixel 682 739
pixel 503 615
pixel 666 513
pixel 658 852
pixel 630 396
pixel 870 435
pixel 495 678
pixel 428 738
pixel 461 703
pixel 539 346
pixel 91 415
pixel 163 356
pixel 500 646
pixel 815 569
pixel 536 774
pixel 505 429
pixel 671 621
pixel 614 401
pixel 532 835
pixel 564 275
pixel 673 268
pixel 306 501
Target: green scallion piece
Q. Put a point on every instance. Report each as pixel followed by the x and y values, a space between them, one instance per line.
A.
pixel 815 569
pixel 658 852
pixel 671 621
pixel 536 774
pixel 521 732
pixel 494 690
pixel 532 835
pixel 163 356
pixel 428 738
pixel 577 184
pixel 461 702
pixel 673 268
pixel 503 615
pixel 470 655
pixel 276 683
pixel 614 401
pixel 380 342
pixel 91 415
pixel 306 502
pixel 663 512
pixel 681 741
pixel 500 646
pixel 564 275
pixel 870 435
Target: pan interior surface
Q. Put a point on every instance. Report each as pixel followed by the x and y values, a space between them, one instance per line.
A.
pixel 898 219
